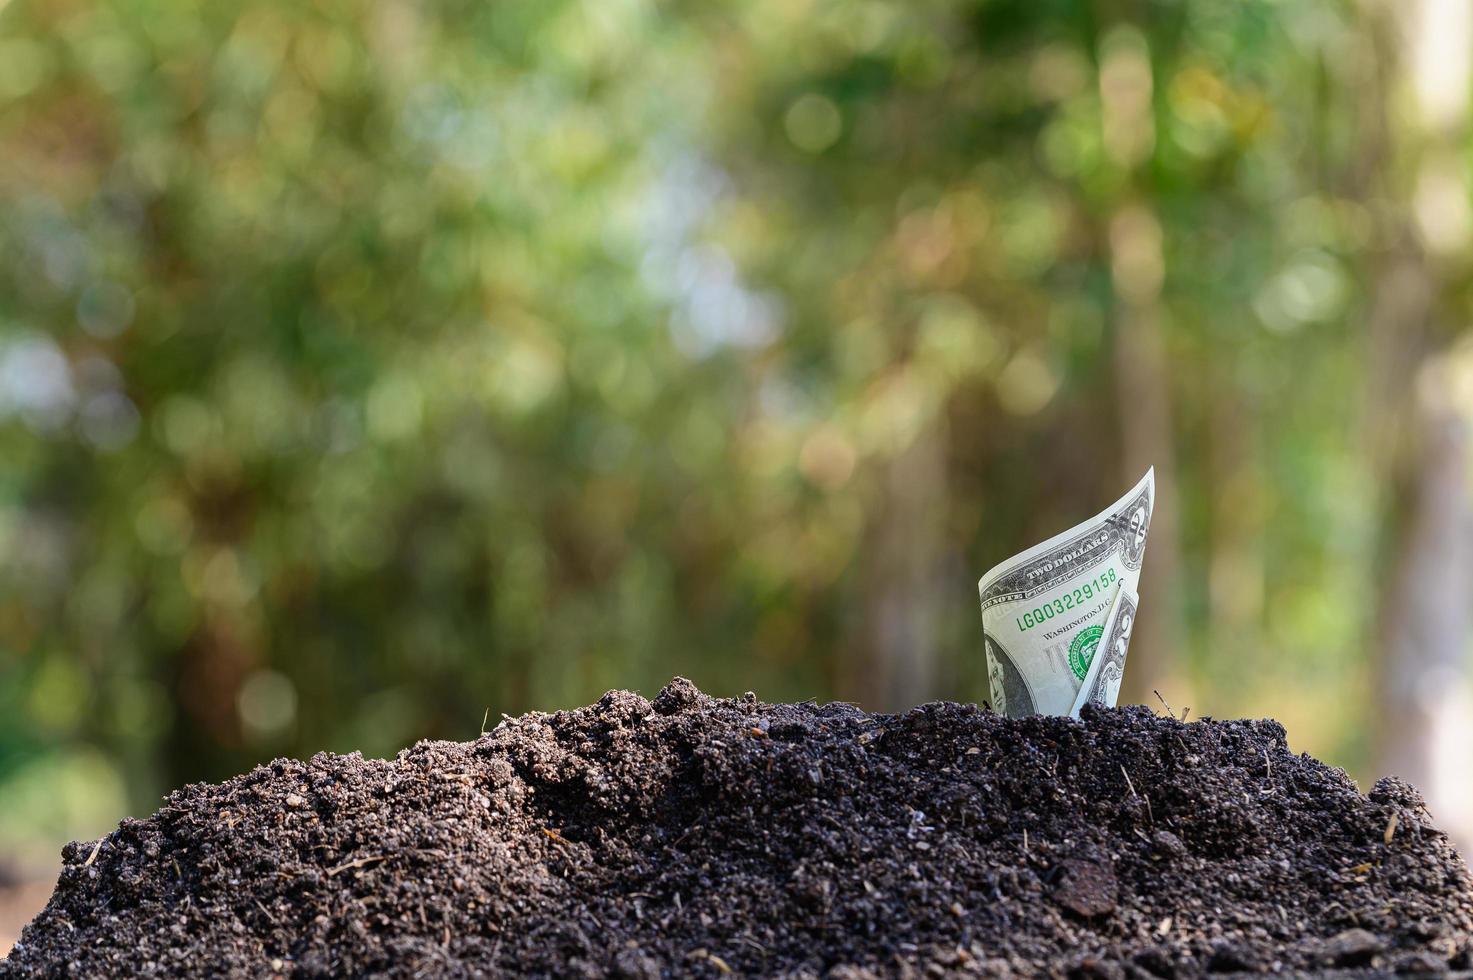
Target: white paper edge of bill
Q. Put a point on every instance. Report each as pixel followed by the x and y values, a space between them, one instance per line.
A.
pixel 1149 480
pixel 1098 663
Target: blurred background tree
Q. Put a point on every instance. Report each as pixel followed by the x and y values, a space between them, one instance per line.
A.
pixel 364 366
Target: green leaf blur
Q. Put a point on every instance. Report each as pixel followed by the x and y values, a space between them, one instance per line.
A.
pixel 364 366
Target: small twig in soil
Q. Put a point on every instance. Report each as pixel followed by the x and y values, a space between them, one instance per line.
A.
pixel 356 863
pixel 93 856
pixel 1391 827
pixel 695 826
pixel 712 958
pixel 1170 711
pixel 557 836
pixel 485 718
pixel 266 912
pixel 1128 782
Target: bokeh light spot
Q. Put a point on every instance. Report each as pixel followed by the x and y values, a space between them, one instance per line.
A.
pixel 1026 384
pixel 827 458
pixel 267 704
pixel 813 123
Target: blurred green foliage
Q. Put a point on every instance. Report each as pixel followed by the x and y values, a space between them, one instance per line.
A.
pixel 363 366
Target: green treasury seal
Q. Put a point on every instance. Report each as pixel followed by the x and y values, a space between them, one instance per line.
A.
pixel 1082 650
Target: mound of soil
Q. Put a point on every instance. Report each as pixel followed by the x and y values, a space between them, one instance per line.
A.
pixel 694 836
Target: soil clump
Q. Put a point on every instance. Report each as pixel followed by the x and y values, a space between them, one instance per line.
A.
pixel 703 837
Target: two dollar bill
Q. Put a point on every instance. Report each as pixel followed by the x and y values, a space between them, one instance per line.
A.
pixel 1056 619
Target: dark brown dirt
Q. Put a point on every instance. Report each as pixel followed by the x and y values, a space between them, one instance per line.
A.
pixel 701 837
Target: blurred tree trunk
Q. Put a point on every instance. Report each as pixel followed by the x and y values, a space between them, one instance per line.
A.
pixel 1145 424
pixel 1144 399
pixel 1421 678
pixel 902 582
pixel 1417 422
pixel 1236 478
pixel 1137 271
pixel 1418 434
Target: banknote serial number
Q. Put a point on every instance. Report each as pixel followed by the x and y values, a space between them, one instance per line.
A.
pixel 1069 600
